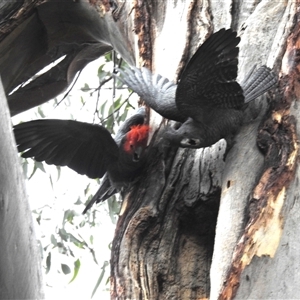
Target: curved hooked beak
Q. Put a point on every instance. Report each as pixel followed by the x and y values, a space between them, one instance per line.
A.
pixel 137 153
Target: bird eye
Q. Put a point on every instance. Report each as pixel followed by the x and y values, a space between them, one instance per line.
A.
pixel 192 142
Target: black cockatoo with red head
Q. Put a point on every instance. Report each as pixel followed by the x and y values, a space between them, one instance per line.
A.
pixel 208 100
pixel 88 149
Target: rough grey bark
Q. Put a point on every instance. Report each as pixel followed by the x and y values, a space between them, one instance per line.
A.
pixel 20 259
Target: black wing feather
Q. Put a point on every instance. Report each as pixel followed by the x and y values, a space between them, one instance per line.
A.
pixel 208 80
pixel 87 149
pixel 105 191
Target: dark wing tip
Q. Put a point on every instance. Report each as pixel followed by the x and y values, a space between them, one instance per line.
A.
pixel 209 79
pixel 87 149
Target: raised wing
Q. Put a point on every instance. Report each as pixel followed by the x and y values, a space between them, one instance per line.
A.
pixel 87 149
pixel 209 79
pixel 157 91
pixel 257 82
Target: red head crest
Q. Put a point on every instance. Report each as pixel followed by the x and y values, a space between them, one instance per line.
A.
pixel 137 136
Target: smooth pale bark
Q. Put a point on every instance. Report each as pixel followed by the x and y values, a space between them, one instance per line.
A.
pixel 262 42
pixel 20 259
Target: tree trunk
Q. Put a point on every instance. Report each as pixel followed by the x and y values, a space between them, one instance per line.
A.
pixel 38 33
pixel 20 259
pixel 195 225
pixel 173 241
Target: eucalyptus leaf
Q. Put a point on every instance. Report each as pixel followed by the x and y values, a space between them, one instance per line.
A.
pixel 66 269
pixel 76 269
pixel 48 263
pixel 105 264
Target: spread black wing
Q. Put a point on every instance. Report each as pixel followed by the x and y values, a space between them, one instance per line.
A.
pixel 209 79
pixel 87 149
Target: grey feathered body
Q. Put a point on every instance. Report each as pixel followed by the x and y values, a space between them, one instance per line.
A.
pixel 208 100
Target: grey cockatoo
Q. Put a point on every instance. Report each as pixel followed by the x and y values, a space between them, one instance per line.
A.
pixel 208 100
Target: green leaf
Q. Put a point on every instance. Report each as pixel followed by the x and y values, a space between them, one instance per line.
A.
pixel 117 103
pixel 69 216
pixel 40 166
pixel 108 57
pixel 86 189
pixel 63 234
pixel 85 88
pixel 38 219
pixel 100 69
pixel 76 269
pixel 69 237
pixel 124 115
pixel 94 256
pixel 55 102
pixel 33 171
pixel 65 268
pixel 102 108
pixel 40 112
pixel 110 124
pixel 48 263
pixel 102 76
pixel 76 241
pixel 114 207
pixel 51 182
pixel 78 202
pixel 105 264
pixel 60 245
pixel 58 168
pixel 111 109
pixel 82 223
pixel 124 64
pixel 53 240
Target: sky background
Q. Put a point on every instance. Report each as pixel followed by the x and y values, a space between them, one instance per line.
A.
pixel 54 199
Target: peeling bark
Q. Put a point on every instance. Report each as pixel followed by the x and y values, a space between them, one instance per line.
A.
pixel 142 25
pixel 154 239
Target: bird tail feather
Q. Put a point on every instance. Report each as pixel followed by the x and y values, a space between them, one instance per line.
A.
pixel 257 82
pixel 105 191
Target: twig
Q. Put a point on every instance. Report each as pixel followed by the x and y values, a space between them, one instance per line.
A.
pixel 70 89
pixel 126 100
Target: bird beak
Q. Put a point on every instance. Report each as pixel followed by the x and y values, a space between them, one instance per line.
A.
pixel 137 154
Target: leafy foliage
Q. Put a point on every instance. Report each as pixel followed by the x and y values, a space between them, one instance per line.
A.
pixel 70 239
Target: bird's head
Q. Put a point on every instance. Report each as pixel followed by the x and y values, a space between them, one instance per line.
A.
pixel 136 141
pixel 186 136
